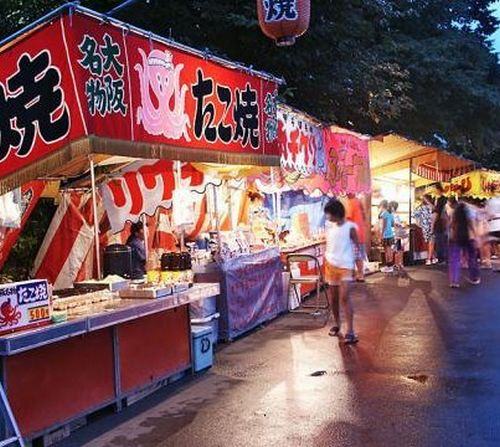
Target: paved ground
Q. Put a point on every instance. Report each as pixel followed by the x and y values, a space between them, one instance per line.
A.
pixel 425 373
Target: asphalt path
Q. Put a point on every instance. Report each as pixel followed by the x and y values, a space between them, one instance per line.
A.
pixel 426 372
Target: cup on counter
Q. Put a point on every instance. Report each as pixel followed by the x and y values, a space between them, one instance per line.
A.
pixel 166 277
pixel 153 276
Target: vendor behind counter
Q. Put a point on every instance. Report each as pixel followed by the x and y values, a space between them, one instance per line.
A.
pixel 136 242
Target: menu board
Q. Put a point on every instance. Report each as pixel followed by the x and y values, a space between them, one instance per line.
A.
pixel 23 304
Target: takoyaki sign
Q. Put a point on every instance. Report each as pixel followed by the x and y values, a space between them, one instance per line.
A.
pixel 77 76
pixel 23 304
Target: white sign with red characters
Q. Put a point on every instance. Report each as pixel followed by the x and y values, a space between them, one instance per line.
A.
pixel 23 304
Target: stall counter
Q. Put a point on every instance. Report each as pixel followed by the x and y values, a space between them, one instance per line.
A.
pixel 88 363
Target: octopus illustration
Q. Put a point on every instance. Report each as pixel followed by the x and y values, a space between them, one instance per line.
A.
pixel 162 110
pixel 9 315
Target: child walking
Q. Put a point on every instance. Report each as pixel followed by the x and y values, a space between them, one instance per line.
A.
pixel 341 238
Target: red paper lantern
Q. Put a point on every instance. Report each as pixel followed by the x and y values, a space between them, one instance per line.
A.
pixel 284 20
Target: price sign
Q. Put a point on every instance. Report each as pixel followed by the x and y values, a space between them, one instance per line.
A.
pixel 23 304
pixel 38 313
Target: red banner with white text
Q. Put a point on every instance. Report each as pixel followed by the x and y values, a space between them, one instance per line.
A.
pixel 39 112
pixel 78 76
pixel 143 187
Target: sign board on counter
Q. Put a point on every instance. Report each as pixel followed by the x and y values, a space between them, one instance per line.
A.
pixel 24 304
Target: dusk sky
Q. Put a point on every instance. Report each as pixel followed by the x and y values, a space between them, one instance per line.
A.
pixel 496 36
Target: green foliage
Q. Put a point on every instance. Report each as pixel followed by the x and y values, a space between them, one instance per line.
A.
pixel 423 68
pixel 22 256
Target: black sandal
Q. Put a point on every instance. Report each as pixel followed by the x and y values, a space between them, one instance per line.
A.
pixel 334 331
pixel 351 339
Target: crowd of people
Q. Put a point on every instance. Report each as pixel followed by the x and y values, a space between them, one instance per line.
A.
pixel 459 232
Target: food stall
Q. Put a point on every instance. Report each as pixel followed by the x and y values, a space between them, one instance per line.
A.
pixel 317 162
pixel 479 184
pixel 110 96
pixel 399 167
pixel 302 190
pixel 246 253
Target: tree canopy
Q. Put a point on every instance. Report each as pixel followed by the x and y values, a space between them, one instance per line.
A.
pixel 422 68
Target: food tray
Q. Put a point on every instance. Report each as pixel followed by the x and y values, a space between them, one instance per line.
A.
pixel 146 292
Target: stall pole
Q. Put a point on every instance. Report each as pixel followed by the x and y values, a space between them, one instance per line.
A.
pixel 177 173
pixel 144 220
pixel 276 197
pixel 230 204
pixel 273 194
pixel 278 200
pixel 95 218
pixel 217 222
pixel 183 242
pixel 412 254
pixel 178 183
pixel 410 190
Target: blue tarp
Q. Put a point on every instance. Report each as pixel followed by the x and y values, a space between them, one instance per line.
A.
pixel 252 292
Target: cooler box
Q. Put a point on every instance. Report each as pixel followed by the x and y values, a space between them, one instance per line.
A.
pixel 202 347
pixel 204 312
